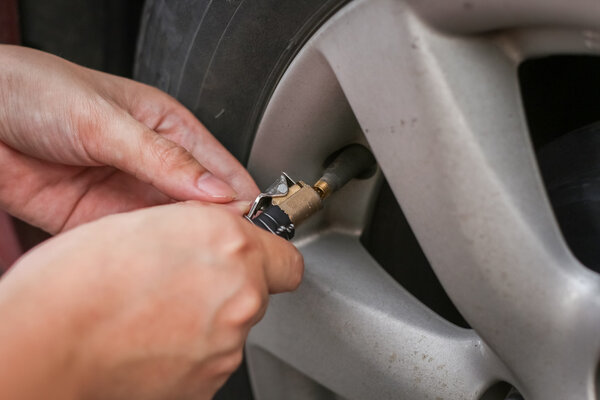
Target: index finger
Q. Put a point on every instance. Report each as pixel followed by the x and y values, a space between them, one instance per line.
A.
pixel 283 264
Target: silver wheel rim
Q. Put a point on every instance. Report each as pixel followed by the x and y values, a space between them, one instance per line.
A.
pixel 432 88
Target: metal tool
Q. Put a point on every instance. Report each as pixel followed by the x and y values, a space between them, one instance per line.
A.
pixel 286 203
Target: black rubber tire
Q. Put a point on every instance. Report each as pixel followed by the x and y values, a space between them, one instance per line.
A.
pixel 222 59
pixel 570 166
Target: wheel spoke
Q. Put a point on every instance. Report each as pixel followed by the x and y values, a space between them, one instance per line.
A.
pixel 477 16
pixel 368 337
pixel 443 116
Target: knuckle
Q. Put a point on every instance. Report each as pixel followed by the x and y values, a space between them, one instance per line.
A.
pixel 238 242
pixel 248 307
pixel 89 120
pixel 171 155
pixel 253 301
pixel 228 363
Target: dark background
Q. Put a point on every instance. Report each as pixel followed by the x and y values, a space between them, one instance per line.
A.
pixel 99 34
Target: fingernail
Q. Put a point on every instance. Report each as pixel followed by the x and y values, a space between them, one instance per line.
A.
pixel 214 187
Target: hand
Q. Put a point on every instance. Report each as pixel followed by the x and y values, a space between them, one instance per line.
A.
pixel 152 304
pixel 78 144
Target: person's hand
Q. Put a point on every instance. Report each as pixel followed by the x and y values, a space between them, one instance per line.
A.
pixel 77 144
pixel 150 304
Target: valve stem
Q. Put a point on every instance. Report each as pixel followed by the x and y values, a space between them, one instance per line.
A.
pixel 284 210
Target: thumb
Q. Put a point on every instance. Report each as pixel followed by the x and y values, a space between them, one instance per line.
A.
pixel 156 160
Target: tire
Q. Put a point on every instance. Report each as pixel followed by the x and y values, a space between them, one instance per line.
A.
pixel 222 59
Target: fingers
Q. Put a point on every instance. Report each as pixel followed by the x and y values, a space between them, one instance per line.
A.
pixel 240 207
pixel 211 153
pixel 283 263
pixel 237 207
pixel 134 148
pixel 168 117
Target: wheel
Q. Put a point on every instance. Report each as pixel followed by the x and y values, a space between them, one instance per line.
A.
pixel 433 89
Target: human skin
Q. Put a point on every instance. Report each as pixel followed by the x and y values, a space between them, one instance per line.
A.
pixel 151 304
pixel 117 309
pixel 77 144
